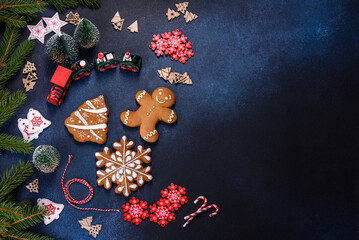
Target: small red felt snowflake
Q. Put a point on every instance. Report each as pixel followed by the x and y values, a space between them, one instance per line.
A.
pixel 174 44
pixel 162 214
pixel 135 211
pixel 176 196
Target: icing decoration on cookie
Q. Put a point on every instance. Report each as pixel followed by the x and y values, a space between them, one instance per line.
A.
pixel 37 123
pixel 53 209
pixel 175 195
pixel 161 213
pixel 152 109
pixel 201 209
pixel 23 125
pixel 89 121
pixel 136 211
pixel 124 167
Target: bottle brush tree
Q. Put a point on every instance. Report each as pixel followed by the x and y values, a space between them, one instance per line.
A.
pixel 62 48
pixel 15 218
pixel 86 34
pixel 46 158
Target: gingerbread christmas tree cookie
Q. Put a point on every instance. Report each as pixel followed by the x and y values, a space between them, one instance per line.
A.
pixel 124 167
pixel 89 121
pixel 152 109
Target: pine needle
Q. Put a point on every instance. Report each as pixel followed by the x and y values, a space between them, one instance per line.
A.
pixel 62 5
pixel 9 103
pixel 14 177
pixel 15 144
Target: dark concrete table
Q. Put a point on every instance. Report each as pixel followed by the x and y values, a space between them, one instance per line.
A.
pixel 267 131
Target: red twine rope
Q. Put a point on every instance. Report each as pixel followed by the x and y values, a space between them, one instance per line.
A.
pixel 71 200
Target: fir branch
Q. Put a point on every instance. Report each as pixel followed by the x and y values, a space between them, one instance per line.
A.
pixel 15 144
pixel 24 236
pixel 14 177
pixel 19 12
pixel 9 103
pixel 30 216
pixel 8 43
pixel 13 64
pixel 61 5
pixel 8 210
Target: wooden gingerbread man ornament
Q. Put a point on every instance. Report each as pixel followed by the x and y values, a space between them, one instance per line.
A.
pixel 152 109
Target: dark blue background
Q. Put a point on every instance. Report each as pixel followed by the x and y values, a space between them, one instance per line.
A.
pixel 267 131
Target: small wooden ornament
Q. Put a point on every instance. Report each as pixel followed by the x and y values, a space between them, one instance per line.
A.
pixel 29 67
pixel 172 14
pixel 117 21
pixel 164 73
pixel 73 18
pixel 32 76
pixel 190 16
pixel 28 84
pixel 33 186
pixel 133 27
pixel 182 7
pixel 174 77
pixel 93 230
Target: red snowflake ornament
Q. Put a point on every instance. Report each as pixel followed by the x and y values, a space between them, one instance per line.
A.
pixel 162 214
pixel 174 44
pixel 175 195
pixel 135 211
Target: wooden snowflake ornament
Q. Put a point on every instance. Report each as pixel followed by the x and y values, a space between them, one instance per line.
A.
pixel 124 167
pixel 93 230
pixel 33 186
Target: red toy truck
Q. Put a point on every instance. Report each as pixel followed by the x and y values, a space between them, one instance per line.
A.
pixel 61 80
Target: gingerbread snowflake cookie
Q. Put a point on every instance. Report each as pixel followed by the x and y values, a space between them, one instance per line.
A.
pixel 152 109
pixel 89 121
pixel 124 167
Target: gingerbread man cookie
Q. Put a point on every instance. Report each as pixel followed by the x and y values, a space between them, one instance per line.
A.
pixel 152 109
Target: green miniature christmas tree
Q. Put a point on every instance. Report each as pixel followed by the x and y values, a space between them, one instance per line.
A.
pixel 86 34
pixel 62 48
pixel 15 218
pixel 46 158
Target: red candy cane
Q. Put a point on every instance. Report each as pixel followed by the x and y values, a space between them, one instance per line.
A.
pixel 71 200
pixel 201 209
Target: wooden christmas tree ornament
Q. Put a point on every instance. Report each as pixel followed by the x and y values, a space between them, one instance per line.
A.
pixel 32 76
pixel 190 16
pixel 73 18
pixel 182 7
pixel 172 14
pixel 117 21
pixel 33 186
pixel 174 77
pixel 28 84
pixel 133 27
pixel 29 67
pixel 93 230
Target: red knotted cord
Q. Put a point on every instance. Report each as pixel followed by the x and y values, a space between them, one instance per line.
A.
pixel 71 200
